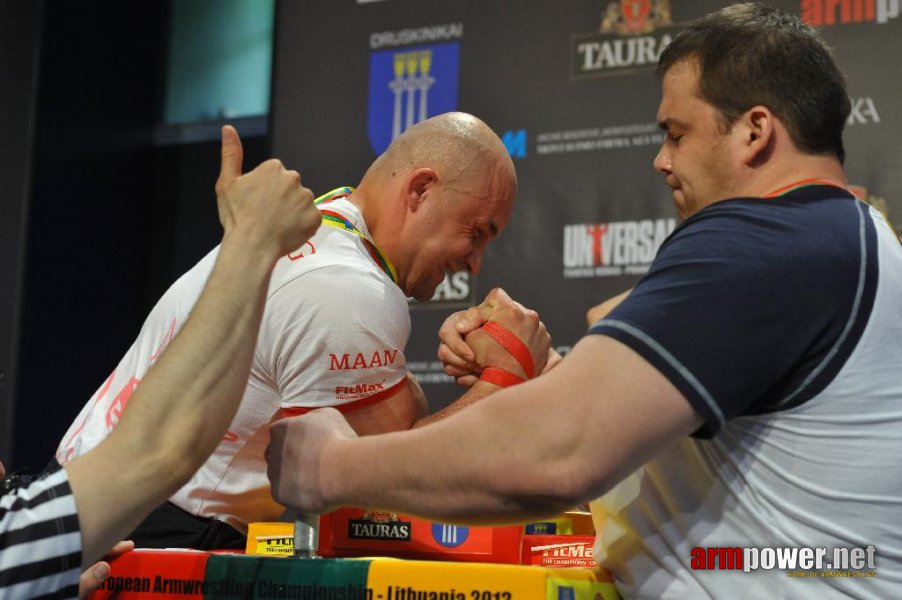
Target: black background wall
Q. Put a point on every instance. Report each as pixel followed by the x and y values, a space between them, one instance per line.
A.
pixel 113 219
pixel 20 40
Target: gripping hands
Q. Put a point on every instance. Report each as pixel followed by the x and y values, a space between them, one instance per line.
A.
pixel 499 334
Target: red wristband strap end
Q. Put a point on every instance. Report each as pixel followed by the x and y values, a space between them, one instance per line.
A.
pixel 500 377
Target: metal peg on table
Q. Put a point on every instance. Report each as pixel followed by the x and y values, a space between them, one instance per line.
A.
pixel 306 535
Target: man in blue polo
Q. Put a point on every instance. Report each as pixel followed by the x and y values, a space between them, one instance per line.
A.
pixel 745 394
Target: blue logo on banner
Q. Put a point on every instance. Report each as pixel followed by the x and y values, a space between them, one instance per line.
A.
pixel 408 85
pixel 565 593
pixel 449 536
pixel 515 142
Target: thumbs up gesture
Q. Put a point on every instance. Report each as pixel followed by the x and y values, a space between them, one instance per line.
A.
pixel 268 207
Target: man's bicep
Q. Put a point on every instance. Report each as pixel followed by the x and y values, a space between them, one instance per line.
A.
pixel 624 411
pixel 396 412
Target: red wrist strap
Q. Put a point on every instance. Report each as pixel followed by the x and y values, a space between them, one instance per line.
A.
pixel 513 345
pixel 500 377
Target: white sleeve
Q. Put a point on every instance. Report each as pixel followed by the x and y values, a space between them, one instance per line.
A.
pixel 331 337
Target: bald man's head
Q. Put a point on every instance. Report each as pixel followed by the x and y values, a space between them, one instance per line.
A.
pixel 459 145
pixel 436 197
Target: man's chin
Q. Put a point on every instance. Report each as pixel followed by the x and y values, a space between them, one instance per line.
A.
pixel 423 295
pixel 424 290
pixel 679 202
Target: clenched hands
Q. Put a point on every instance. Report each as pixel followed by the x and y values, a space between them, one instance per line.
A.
pixel 465 349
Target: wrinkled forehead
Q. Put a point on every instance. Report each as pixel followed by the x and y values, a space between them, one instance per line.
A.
pixel 491 203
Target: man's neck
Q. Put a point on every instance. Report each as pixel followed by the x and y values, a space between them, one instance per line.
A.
pixel 381 224
pixel 358 199
pixel 778 175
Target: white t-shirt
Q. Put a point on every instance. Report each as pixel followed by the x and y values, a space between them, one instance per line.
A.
pixel 333 332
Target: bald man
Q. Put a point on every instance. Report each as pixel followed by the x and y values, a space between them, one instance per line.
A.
pixel 336 321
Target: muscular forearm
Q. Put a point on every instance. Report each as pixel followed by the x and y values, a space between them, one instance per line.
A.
pixel 489 473
pixel 476 392
pixel 185 402
pixel 200 379
pixel 183 406
pixel 528 451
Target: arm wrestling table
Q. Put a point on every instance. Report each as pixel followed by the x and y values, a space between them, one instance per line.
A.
pixel 461 563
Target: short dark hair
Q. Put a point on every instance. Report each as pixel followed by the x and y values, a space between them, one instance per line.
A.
pixel 752 54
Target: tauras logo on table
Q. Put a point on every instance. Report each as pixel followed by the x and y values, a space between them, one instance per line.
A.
pixel 379 526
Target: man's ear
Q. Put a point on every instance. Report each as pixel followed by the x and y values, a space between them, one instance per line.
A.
pixel 418 184
pixel 756 128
